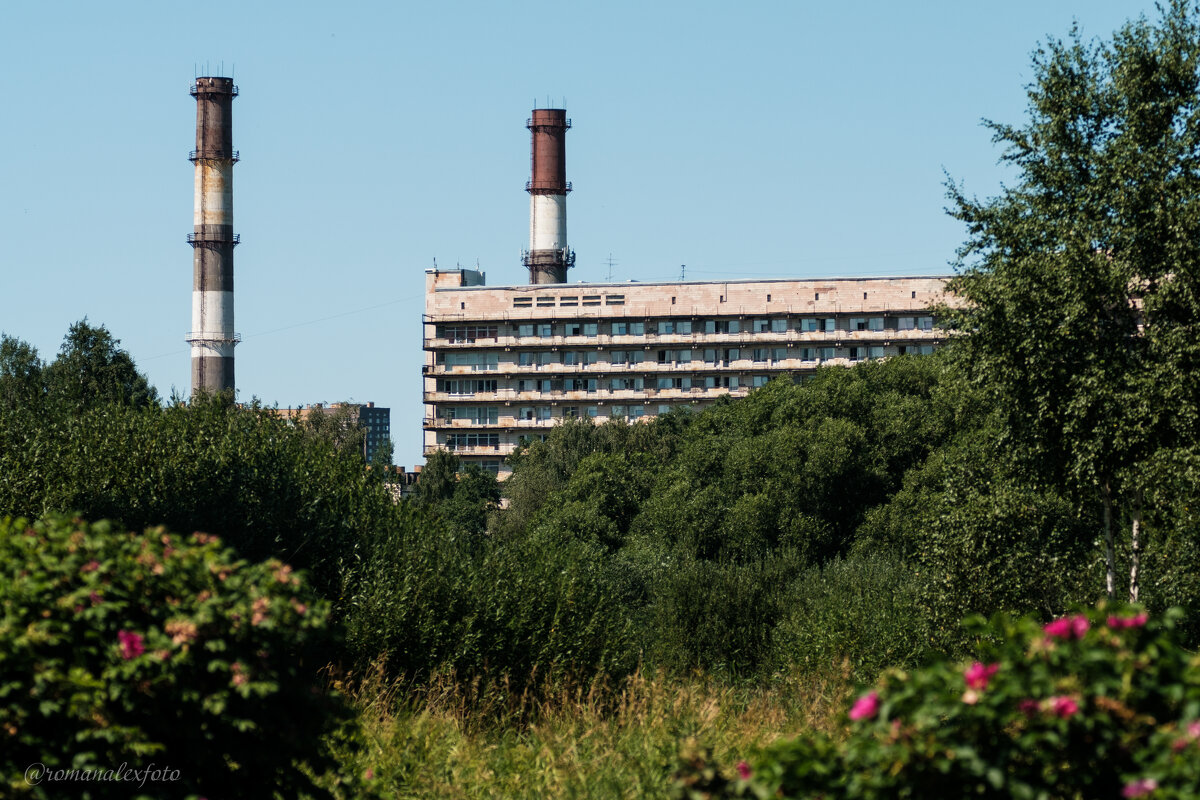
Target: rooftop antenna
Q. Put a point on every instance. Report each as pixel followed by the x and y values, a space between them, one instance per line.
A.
pixel 682 272
pixel 611 264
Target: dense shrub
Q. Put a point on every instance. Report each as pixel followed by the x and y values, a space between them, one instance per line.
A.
pixel 265 486
pixel 717 616
pixel 1098 704
pixel 155 648
pixel 411 595
pixel 855 614
pixel 543 605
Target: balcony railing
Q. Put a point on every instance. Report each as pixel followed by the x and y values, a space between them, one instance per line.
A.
pixel 214 155
pixel 214 238
pixel 214 337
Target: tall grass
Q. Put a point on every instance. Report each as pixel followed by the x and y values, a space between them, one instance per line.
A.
pixel 448 740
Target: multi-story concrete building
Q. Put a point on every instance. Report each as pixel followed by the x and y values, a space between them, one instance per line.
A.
pixel 507 362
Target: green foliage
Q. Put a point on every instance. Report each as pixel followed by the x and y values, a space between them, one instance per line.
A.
pixel 431 598
pixel 858 613
pixel 338 425
pixel 264 486
pixel 21 383
pixel 120 647
pixel 717 616
pixel 463 497
pixel 408 601
pixel 982 541
pixel 1080 280
pixel 92 371
pixel 1099 704
pixel 540 469
pixel 796 466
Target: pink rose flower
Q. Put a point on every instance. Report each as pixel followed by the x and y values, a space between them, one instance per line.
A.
pixel 1063 706
pixel 866 707
pixel 131 644
pixel 1067 627
pixel 743 770
pixel 239 673
pixel 1137 621
pixel 1139 788
pixel 90 566
pixel 978 675
pixel 1028 706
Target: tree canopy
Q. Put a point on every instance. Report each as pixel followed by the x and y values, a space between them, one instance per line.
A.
pixel 1080 279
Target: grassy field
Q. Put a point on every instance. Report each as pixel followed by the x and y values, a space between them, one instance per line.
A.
pixel 586 742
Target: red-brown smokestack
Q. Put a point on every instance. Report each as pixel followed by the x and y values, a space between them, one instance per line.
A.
pixel 548 256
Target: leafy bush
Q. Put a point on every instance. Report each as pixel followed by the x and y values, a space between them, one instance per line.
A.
pixel 855 611
pixel 1099 704
pixel 411 595
pixel 265 486
pixel 717 616
pixel 137 648
pixel 541 606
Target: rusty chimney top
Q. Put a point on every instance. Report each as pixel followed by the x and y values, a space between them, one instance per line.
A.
pixel 548 257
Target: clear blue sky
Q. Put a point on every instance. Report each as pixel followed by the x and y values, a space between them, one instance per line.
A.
pixel 741 139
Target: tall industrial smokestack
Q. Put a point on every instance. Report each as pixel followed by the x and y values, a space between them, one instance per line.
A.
pixel 212 337
pixel 548 256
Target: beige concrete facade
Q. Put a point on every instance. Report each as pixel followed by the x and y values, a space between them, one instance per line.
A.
pixel 507 362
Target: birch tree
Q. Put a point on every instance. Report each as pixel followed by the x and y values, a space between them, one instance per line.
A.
pixel 1080 277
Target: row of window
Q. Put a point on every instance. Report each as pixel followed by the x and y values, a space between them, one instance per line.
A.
pixel 462 441
pixel 668 327
pixel 466 333
pixel 458 441
pixel 461 387
pixel 546 301
pixel 591 385
pixel 484 361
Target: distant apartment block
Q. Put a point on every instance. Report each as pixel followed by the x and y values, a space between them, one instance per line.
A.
pixel 376 422
pixel 508 362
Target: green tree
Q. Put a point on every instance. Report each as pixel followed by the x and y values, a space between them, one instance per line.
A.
pixel 1080 279
pixel 92 370
pixel 438 477
pixel 21 380
pixel 337 425
pixel 462 496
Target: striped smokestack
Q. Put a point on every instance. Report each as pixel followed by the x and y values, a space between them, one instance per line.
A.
pixel 548 256
pixel 212 239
